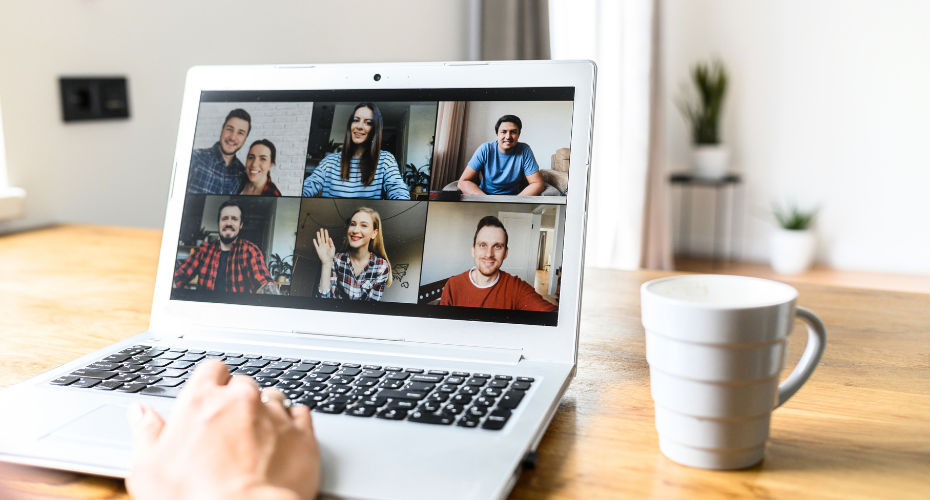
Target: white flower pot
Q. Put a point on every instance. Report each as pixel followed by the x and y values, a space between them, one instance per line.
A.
pixel 792 250
pixel 710 161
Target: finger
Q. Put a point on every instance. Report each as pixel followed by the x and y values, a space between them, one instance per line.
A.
pixel 274 403
pixel 146 428
pixel 211 372
pixel 302 419
pixel 240 380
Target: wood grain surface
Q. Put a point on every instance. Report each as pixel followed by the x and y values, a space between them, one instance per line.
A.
pixel 860 428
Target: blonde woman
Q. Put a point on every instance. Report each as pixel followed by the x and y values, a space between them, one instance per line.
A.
pixel 361 270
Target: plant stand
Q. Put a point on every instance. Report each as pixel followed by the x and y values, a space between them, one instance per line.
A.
pixel 725 185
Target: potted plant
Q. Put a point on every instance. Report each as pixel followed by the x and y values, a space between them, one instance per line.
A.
pixel 709 158
pixel 416 178
pixel 279 268
pixel 793 241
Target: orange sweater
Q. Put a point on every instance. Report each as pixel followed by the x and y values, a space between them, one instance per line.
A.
pixel 510 292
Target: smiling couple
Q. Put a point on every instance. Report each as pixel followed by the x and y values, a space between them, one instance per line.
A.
pixel 217 170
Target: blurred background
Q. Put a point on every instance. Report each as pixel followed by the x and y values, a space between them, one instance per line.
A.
pixel 825 111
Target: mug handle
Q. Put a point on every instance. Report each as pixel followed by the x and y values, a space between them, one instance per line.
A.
pixel 816 342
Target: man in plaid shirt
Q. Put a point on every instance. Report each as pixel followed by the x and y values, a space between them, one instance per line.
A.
pixel 232 265
pixel 216 170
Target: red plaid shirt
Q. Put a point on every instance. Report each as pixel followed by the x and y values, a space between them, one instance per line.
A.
pixel 245 269
pixel 370 285
pixel 270 189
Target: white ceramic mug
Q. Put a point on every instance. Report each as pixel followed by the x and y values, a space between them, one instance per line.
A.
pixel 716 346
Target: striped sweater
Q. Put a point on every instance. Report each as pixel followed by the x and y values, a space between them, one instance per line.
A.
pixel 327 181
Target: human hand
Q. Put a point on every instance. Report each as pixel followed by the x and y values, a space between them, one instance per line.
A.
pixel 324 246
pixel 222 442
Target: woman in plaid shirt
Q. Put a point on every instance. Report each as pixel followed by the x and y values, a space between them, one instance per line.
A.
pixel 361 270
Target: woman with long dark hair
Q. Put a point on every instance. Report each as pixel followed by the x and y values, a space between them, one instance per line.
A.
pixel 361 269
pixel 362 169
pixel 258 167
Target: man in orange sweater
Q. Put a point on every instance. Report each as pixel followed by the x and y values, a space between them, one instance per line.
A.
pixel 485 285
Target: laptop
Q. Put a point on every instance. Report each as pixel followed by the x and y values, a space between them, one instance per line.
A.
pixel 397 246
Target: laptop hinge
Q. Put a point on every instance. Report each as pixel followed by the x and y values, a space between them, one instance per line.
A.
pixel 354 344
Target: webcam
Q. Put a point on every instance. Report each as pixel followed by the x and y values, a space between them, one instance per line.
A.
pixel 377 77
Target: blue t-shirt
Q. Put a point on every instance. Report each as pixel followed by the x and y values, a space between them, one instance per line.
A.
pixel 500 173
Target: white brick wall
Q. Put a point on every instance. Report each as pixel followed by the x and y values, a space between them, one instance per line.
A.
pixel 285 124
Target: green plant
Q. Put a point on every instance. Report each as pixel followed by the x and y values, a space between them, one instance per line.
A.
pixel 414 176
pixel 279 266
pixel 793 217
pixel 704 115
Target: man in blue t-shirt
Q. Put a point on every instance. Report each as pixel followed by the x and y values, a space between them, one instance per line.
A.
pixel 498 165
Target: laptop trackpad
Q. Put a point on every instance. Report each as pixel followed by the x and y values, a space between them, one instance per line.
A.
pixel 106 426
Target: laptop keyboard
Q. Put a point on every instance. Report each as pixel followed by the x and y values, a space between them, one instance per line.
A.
pixel 387 392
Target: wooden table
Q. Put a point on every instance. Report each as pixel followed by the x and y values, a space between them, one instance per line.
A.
pixel 860 428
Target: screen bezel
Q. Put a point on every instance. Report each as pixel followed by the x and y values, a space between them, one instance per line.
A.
pixel 542 343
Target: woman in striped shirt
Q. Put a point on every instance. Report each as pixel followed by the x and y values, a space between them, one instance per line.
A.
pixel 354 173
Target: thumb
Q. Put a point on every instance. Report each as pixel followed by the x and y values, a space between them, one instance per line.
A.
pixel 146 427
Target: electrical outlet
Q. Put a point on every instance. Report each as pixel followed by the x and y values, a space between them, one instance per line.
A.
pixel 94 98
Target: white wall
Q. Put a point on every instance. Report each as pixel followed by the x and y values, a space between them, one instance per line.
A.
pixel 828 106
pixel 547 125
pixel 409 253
pixel 284 236
pixel 421 130
pixel 285 124
pixel 117 172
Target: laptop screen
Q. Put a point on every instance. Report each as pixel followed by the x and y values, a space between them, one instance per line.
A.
pixel 436 203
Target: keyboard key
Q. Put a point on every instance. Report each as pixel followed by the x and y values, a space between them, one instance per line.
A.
pixel 160 363
pixel 348 372
pixel 171 355
pixel 124 377
pixel 461 374
pixel 268 372
pixel 131 388
pixel 427 378
pixel 366 382
pixel 393 369
pixel 431 418
pixel 316 387
pixel 331 408
pixel 177 349
pixel 500 384
pixel 84 383
pixel 438 372
pixel 430 406
pixel 492 392
pixel 233 355
pixel 129 368
pixel 309 362
pixel 455 380
pixel 326 369
pixel 316 378
pixel 266 381
pixel 215 353
pixel 478 411
pixel 330 363
pixel 180 365
pixel 234 361
pixel 280 365
pixel 484 401
pixel 402 394
pixel 173 373
pixel 196 351
pixel 372 367
pixel 469 421
pixel 103 366
pixel 288 384
pixel 271 358
pixel 469 389
pixel 290 360
pixel 251 356
pixel 362 411
pixel 115 358
pixel 520 386
pixel 482 375
pixel 169 382
pixel 166 392
pixel 247 370
pixel 351 365
pixel 448 389
pixel 402 404
pixel 98 374
pixel 511 399
pixel 477 381
pixel 414 370
pixel 526 379
pixel 398 376
pixel 419 386
pixel 292 375
pixel 503 377
pixel 341 380
pixel 393 414
pixel 148 379
pixel 303 367
pixel 438 396
pixel 64 380
pixel 453 409
pixel 463 399
pixel 392 384
pixel 496 419
pixel 256 363
pixel 108 385
pixel 373 373
pixel 191 358
pixel 306 401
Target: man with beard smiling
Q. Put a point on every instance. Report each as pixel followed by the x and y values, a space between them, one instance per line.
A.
pixel 232 264
pixel 485 285
pixel 216 170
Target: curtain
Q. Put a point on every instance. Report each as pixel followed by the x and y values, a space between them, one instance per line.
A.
pixel 626 159
pixel 514 30
pixel 448 153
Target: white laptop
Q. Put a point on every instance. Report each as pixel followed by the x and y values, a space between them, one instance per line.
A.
pixel 432 353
